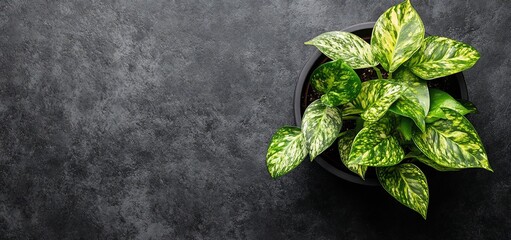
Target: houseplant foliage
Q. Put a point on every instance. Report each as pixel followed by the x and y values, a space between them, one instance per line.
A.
pixel 400 120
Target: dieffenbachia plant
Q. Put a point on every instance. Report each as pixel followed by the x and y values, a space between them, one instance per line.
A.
pixel 400 121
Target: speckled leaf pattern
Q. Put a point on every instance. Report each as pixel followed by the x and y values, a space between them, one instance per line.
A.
pixel 468 105
pixel 441 99
pixel 320 125
pixel 346 46
pixel 287 150
pixel 397 35
pixel 417 154
pixel 350 109
pixel 375 146
pixel 414 102
pixel 374 99
pixel 407 184
pixel 452 142
pixel 338 81
pixel 344 145
pixel 440 57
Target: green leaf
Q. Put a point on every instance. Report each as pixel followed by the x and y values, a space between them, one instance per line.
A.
pixel 468 105
pixel 345 141
pixel 350 109
pixel 440 57
pixel 339 83
pixel 397 35
pixel 320 125
pixel 417 154
pixel 441 99
pixel 405 128
pixel 414 102
pixel 374 99
pixel 407 184
pixel 287 150
pixel 452 142
pixel 375 146
pixel 346 46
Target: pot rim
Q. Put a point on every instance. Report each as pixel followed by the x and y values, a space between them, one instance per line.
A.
pixel 348 176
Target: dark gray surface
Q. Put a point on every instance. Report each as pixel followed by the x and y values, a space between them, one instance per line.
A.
pixel 150 119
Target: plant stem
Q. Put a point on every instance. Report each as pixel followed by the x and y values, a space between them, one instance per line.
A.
pixel 350 117
pixel 390 75
pixel 378 72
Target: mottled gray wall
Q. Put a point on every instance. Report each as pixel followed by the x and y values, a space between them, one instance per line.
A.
pixel 150 119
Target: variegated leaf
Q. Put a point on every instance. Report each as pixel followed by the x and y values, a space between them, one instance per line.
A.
pixel 414 102
pixel 452 142
pixel 320 125
pixel 397 35
pixel 287 150
pixel 375 146
pixel 417 154
pixel 441 99
pixel 350 109
pixel 468 105
pixel 345 141
pixel 374 99
pixel 346 46
pixel 407 184
pixel 440 57
pixel 339 83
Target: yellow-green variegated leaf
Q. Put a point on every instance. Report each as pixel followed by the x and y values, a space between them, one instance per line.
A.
pixel 337 81
pixel 440 57
pixel 375 146
pixel 397 35
pixel 374 99
pixel 468 105
pixel 321 125
pixel 441 99
pixel 287 150
pixel 350 109
pixel 346 46
pixel 417 154
pixel 414 102
pixel 452 142
pixel 407 184
pixel 344 145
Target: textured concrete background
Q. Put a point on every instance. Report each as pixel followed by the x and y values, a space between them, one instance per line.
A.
pixel 150 119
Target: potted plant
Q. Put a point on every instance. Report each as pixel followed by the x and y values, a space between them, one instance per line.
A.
pixel 392 121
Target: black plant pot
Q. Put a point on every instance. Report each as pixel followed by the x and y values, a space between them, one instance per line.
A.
pixel 304 94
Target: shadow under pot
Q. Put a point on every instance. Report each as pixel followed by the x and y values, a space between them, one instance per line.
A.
pixel 305 94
